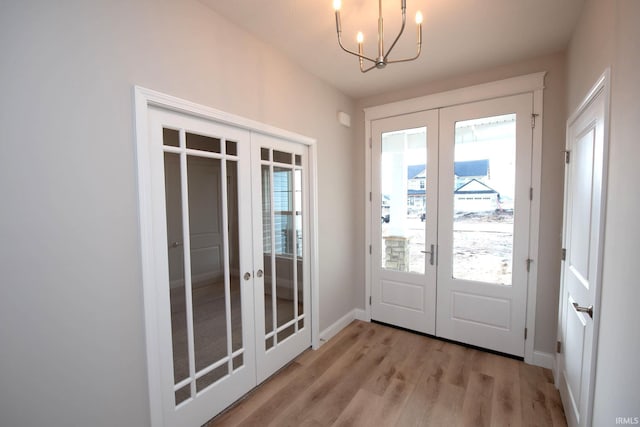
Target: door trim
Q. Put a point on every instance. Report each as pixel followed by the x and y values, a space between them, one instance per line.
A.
pixel 533 83
pixel 601 87
pixel 144 99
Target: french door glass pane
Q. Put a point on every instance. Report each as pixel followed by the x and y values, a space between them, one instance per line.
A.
pixel 282 244
pixel 483 194
pixel 267 243
pixel 209 293
pixel 234 258
pixel 299 237
pixel 173 197
pixel 404 199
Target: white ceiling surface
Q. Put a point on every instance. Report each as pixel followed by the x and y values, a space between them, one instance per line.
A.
pixel 459 36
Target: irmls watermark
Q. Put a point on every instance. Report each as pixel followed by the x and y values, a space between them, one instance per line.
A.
pixel 627 420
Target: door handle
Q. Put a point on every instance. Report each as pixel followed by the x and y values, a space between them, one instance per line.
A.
pixel 431 254
pixel 175 244
pixel 588 310
pixel 259 273
pixel 247 276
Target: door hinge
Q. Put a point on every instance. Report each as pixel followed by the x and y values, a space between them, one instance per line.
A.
pixel 567 156
pixel 370 196
pixel 525 333
pixel 370 143
pixel 558 347
pixel 370 249
pixel 530 193
pixel 529 261
pixel 533 120
pixel 369 299
pixel 563 255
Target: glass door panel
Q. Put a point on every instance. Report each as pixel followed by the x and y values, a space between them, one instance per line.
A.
pixel 403 164
pixel 484 193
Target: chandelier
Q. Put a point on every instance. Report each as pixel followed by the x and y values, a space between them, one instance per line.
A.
pixel 382 59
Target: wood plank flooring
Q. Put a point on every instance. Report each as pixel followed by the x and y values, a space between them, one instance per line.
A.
pixel 374 375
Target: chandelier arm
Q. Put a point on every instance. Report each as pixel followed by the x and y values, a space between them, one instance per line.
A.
pixel 353 53
pixel 404 21
pixel 366 70
pixel 419 49
pixel 406 59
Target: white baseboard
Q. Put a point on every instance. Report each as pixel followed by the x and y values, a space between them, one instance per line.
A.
pixel 545 360
pixel 337 326
pixel 360 314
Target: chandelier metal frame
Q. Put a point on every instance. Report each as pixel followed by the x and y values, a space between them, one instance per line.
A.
pixel 382 59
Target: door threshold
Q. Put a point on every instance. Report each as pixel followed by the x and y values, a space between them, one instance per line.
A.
pixel 471 346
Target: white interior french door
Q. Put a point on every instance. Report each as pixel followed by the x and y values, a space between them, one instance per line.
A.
pixel 282 282
pixel 230 221
pixel 404 229
pixel 467 168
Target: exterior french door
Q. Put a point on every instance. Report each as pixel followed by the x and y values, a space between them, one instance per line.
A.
pixel 483 223
pixel 405 208
pixel 450 253
pixel 230 230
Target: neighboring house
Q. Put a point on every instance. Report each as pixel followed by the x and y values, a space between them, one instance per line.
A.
pixel 474 196
pixel 470 170
pixel 465 173
pixel 416 193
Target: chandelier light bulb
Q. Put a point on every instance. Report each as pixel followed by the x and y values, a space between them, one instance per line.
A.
pixel 360 37
pixel 418 17
pixel 337 4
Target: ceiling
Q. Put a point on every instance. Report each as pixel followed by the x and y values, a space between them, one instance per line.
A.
pixel 459 36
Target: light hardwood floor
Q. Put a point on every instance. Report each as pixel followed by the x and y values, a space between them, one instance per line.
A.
pixel 373 375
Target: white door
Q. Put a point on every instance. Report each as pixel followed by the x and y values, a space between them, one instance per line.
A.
pixel 483 222
pixel 405 208
pixel 282 282
pixel 230 231
pixel 581 270
pixel 205 312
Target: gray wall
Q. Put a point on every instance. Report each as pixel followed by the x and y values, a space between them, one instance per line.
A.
pixel 72 339
pixel 552 176
pixel 608 35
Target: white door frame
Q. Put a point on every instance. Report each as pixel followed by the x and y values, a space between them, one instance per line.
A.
pixel 145 99
pixel 531 83
pixel 601 87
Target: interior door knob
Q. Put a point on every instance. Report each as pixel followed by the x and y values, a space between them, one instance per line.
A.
pixel 259 273
pixel 588 310
pixel 247 276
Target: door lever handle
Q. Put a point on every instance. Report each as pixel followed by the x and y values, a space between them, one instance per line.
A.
pixel 431 254
pixel 588 310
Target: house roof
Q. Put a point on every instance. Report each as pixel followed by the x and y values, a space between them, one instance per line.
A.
pixel 414 170
pixel 461 169
pixel 472 168
pixel 474 186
